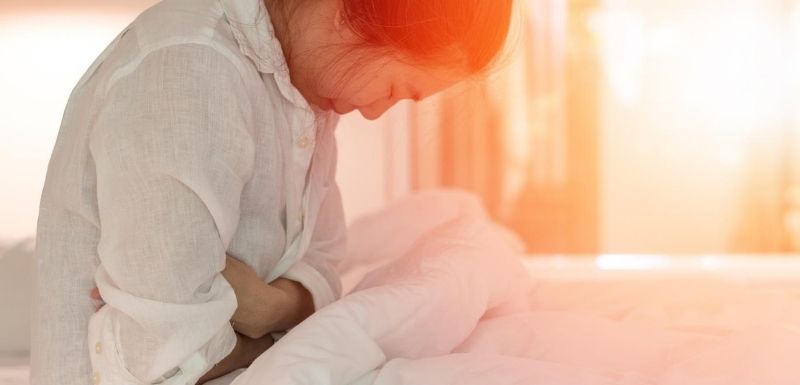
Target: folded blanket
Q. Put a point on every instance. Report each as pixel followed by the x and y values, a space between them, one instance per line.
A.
pixel 437 295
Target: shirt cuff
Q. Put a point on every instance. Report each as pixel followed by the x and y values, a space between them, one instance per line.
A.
pixel 109 367
pixel 320 288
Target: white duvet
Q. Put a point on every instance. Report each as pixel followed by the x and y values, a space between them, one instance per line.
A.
pixel 438 295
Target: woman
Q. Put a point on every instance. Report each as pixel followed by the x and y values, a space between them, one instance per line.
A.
pixel 206 129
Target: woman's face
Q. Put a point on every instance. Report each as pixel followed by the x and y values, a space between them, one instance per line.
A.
pixel 333 75
pixel 373 85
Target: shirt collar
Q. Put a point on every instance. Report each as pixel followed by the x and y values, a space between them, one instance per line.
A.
pixel 255 35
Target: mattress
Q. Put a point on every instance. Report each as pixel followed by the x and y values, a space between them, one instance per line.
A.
pixel 605 283
pixel 13 371
pixel 771 270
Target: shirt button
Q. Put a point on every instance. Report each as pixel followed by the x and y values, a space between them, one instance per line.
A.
pixel 96 378
pixel 98 348
pixel 303 142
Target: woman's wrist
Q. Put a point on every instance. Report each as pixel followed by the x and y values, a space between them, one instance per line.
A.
pixel 274 307
pixel 271 309
pixel 297 303
pixel 262 307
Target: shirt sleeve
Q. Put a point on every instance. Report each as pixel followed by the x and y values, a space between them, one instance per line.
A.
pixel 317 269
pixel 172 154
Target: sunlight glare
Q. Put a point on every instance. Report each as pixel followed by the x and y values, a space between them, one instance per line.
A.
pixel 44 56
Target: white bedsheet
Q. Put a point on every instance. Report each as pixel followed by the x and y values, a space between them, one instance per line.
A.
pixel 448 302
pixel 438 296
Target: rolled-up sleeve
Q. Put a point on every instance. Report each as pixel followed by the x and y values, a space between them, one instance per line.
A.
pixel 317 269
pixel 173 150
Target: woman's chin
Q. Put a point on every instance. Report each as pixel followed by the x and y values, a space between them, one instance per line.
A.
pixel 343 111
pixel 324 104
pixel 341 108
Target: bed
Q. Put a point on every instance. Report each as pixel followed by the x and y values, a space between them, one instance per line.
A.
pixel 594 284
pixel 570 320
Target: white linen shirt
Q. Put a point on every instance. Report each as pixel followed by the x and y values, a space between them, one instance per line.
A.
pixel 183 141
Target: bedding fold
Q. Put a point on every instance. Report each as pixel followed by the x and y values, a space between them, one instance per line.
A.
pixel 437 294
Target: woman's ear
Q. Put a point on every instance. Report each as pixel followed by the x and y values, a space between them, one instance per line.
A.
pixel 338 21
pixel 340 26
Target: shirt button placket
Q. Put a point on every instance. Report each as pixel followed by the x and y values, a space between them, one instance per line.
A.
pixel 303 142
pixel 96 378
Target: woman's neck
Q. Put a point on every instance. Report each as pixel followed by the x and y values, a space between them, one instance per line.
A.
pixel 279 13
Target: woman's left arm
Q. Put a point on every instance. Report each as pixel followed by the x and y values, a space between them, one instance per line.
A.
pixel 317 270
pixel 313 281
pixel 263 307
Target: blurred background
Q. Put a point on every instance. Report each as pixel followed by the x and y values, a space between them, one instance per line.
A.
pixel 614 127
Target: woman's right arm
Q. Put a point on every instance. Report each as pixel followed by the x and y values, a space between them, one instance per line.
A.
pixel 243 354
pixel 172 152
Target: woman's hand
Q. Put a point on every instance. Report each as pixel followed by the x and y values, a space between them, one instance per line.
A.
pixel 260 308
pixel 299 306
pixel 265 308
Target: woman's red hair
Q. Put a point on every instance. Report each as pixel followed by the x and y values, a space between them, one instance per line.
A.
pixel 430 30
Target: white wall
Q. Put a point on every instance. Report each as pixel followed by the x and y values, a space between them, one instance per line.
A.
pixel 374 163
pixel 44 53
pixel 691 89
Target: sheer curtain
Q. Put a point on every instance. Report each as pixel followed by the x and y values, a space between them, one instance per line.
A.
pixel 626 126
pixel 525 138
pixel 769 209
